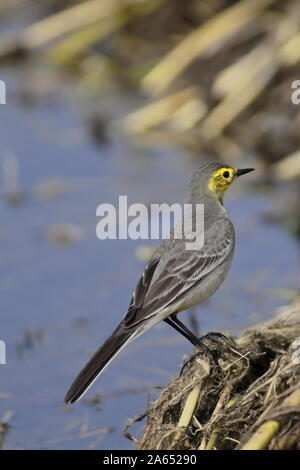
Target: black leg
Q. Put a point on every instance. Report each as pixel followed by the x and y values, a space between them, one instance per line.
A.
pixel 210 354
pixel 181 328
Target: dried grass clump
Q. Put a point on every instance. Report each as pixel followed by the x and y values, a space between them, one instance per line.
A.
pixel 251 402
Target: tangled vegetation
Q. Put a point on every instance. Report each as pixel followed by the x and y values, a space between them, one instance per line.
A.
pixel 251 401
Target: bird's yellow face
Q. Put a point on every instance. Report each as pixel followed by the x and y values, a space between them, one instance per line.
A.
pixel 220 181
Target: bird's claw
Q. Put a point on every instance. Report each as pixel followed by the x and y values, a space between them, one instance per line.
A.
pixel 210 347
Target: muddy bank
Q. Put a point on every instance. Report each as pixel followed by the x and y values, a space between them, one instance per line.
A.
pixel 251 401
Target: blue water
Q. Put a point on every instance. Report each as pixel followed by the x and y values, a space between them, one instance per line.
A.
pixel 71 297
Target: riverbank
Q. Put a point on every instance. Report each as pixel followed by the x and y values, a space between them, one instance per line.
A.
pixel 252 402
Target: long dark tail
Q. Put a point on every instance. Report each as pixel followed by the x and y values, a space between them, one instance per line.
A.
pixel 98 362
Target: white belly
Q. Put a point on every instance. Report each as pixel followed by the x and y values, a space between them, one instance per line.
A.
pixel 196 296
pixel 204 289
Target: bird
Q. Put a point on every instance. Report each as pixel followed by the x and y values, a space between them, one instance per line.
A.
pixel 176 278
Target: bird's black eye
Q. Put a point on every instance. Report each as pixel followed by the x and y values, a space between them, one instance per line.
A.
pixel 226 174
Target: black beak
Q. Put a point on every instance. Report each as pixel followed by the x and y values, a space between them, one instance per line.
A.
pixel 244 171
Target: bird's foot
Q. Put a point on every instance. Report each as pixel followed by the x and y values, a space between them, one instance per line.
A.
pixel 210 348
pixel 216 343
pixel 215 340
